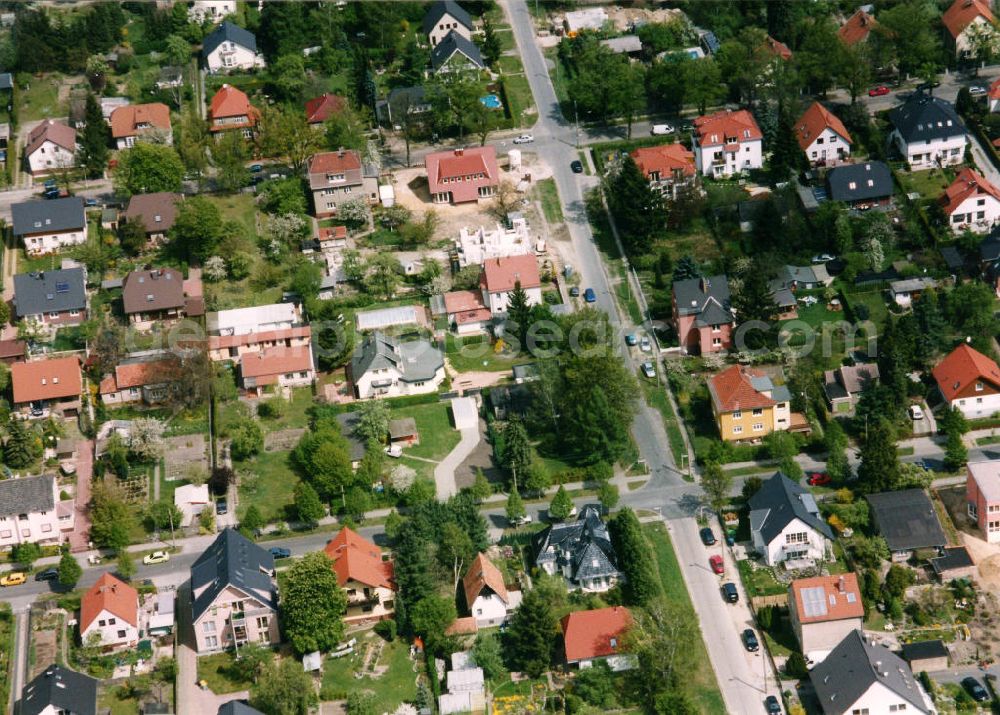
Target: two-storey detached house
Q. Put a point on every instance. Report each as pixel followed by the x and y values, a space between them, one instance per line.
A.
pixel 234 594
pixel 822 136
pixel 703 314
pixel 110 609
pixel 54 298
pixel 462 175
pixel 969 381
pixel 365 576
pixel 747 405
pixel 982 496
pixel 230 47
pixel 785 523
pixel 971 202
pixel 928 132
pixel 727 143
pixel 668 167
pixel 48 226
pixel 31 513
pixel 230 110
pixel 336 177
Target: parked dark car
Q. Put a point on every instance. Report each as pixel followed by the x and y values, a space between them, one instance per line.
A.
pixel 279 552
pixel 47 575
pixel 590 296
pixel 221 507
pixel 576 166
pixel 730 539
pixel 975 689
pixel 574 292
pixel 772 705
pixel 730 593
pixel 750 640
pixel 707 537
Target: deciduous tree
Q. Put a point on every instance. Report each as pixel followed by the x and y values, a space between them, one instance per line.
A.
pixel 312 605
pixel 284 688
pixel 148 168
pixel 307 504
pixel 70 570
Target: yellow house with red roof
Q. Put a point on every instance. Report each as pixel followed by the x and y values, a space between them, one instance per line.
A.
pixel 747 405
pixel 365 575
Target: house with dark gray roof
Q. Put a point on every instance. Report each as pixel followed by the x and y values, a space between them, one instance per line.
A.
pixel 928 132
pixel 402 102
pixel 385 366
pixel 444 17
pixel 907 521
pixel 230 47
pixel 703 314
pixel 579 551
pixel 234 594
pixel 859 676
pixel 237 707
pixel 861 186
pixel 30 511
pixel 456 53
pixel 48 226
pixel 59 691
pixel 55 298
pixel 785 523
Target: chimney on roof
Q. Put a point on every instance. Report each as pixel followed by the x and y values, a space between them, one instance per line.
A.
pixel 878 665
pixel 841 584
pixel 459 152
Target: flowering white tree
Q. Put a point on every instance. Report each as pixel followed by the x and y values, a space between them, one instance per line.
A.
pixel 215 268
pixel 146 439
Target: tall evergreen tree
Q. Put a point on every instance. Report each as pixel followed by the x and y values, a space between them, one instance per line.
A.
pixel 532 635
pixel 786 155
pixel 638 210
pixel 892 367
pixel 23 446
pixel 94 140
pixel 879 468
pixel 634 558
pixel 561 505
pixel 490 44
pixel 515 507
pixel 955 453
pixel 754 301
pixel 516 453
pixel 519 314
pixel 933 326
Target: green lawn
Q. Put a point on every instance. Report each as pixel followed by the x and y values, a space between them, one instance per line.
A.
pixel 983 441
pixel 294 415
pixel 519 99
pixel 272 488
pixel 216 670
pixel 929 184
pixel 511 64
pixel 396 686
pixel 475 353
pixel 40 100
pixel 875 302
pixel 548 194
pixel 759 582
pixel 703 684
pixel 437 435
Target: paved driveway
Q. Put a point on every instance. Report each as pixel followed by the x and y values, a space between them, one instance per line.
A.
pixel 79 538
pixel 444 473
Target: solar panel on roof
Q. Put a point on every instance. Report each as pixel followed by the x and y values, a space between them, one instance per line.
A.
pixel 814 601
pixel 809 503
pixel 62 287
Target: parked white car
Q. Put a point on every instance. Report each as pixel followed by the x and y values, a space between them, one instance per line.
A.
pixel 648 370
pixel 916 413
pixel 524 139
pixel 661 129
pixel 645 345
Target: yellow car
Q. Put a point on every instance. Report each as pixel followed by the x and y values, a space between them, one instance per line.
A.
pixel 157 557
pixel 15 578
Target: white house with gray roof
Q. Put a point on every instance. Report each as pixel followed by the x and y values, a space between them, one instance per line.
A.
pixel 785 523
pixel 48 226
pixel 230 47
pixel 30 512
pixel 443 18
pixel 53 298
pixel 383 366
pixel 928 132
pixel 455 53
pixel 59 691
pixel 861 677
pixel 234 594
pixel 580 551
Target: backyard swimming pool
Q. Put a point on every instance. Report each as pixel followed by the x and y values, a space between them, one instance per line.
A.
pixel 491 101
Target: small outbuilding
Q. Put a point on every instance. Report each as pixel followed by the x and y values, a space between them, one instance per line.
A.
pixel 928 656
pixel 404 432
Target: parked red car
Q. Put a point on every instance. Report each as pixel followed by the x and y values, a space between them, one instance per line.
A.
pixel 716 563
pixel 878 91
pixel 818 479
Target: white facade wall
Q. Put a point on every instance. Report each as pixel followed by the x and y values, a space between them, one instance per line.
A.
pixel 37 527
pixel 977 213
pixel 446 24
pixel 229 56
pixel 781 547
pixel 398 387
pixel 498 302
pixel 930 154
pixel 37 244
pixel 749 155
pixel 213 631
pixel 975 407
pixel 818 639
pixel 878 700
pixel 828 146
pixel 488 610
pixel 115 633
pixel 49 157
pixel 965 43
pixel 617 663
pixel 213 10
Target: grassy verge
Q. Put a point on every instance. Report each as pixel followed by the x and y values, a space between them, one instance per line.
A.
pixel 548 194
pixel 6 650
pixel 983 441
pixel 703 684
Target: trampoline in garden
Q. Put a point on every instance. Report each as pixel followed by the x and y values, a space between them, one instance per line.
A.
pixel 491 101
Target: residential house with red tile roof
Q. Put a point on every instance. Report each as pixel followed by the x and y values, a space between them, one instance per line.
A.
pixel 487 597
pixel 703 314
pixel 822 136
pixel 153 295
pixel 320 109
pixel 276 368
pixel 500 276
pixel 591 637
pixel 777 48
pixel 365 576
pixel 230 110
pixel 462 175
pixel 109 614
pixel 823 611
pixel 668 167
pixel 135 122
pixel 727 142
pixel 44 387
pixel 857 28
pixel 336 177
pixel 971 202
pixel 969 381
pixel 965 21
pixel 466 311
pixel 140 377
pixel 993 98
pixel 50 146
pixel 747 405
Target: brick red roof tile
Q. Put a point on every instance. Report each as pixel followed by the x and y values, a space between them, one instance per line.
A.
pixel 319 109
pixel 276 361
pixel 357 559
pixel 727 127
pixel 52 379
pixel 967 184
pixel 857 28
pixel 665 159
pixel 481 575
pixel 835 597
pixel 595 634
pixel 961 14
pixel 963 366
pixel 812 123
pixel 335 161
pixel 126 121
pixel 732 390
pixel 479 163
pixel 112 595
pixel 502 274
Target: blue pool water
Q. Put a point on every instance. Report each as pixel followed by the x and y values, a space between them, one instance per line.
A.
pixel 491 101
